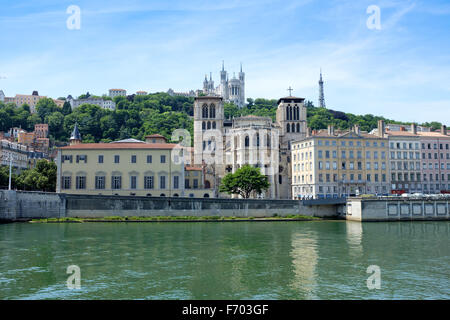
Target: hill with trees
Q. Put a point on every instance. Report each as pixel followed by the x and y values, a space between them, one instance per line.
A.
pixel 138 116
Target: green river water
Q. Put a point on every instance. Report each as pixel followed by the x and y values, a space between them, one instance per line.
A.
pixel 225 260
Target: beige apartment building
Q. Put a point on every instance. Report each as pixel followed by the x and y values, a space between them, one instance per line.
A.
pixel 126 167
pixel 331 164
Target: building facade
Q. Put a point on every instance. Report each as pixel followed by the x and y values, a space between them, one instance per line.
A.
pixel 331 164
pixel 126 167
pixel 435 149
pixel 102 103
pixel 15 151
pixel 117 93
pixel 404 161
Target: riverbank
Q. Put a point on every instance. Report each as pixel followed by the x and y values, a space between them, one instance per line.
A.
pixel 176 219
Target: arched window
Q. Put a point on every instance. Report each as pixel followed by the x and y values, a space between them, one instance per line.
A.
pixel 298 113
pixel 293 127
pixel 214 125
pixel 288 127
pixel 207 184
pixel 203 125
pixel 206 195
pixel 212 111
pixel 298 127
pixel 268 140
pixel 295 113
pixel 247 141
pixel 257 139
pixel 175 195
pixel 162 195
pixel 205 111
pixel 209 125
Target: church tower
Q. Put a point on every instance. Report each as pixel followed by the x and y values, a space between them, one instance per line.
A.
pixel 321 94
pixel 291 117
pixel 209 138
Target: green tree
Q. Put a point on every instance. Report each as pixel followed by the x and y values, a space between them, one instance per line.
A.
pixel 45 107
pixel 41 178
pixel 244 181
pixel 66 109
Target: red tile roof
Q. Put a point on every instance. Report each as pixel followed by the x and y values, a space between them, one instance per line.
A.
pixel 155 136
pixel 123 145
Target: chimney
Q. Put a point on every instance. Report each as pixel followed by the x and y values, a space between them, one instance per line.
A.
pixel 444 130
pixel 356 129
pixel 414 128
pixel 330 130
pixel 402 128
pixel 381 128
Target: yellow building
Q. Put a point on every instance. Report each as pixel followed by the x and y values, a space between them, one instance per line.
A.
pixel 126 167
pixel 331 164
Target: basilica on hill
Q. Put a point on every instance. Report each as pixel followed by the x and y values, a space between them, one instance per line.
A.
pixel 232 90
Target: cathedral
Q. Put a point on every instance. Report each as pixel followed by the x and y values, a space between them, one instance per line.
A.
pixel 232 90
pixel 222 146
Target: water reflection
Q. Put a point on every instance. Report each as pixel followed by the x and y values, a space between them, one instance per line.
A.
pixel 354 232
pixel 304 262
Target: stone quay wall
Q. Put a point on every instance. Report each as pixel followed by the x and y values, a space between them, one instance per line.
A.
pixel 21 205
pixel 392 209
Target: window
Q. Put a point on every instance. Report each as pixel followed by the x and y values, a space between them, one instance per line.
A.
pixel 195 183
pixel 67 158
pixel 81 182
pixel 149 158
pixel 162 181
pixel 133 159
pixel 99 182
pixel 163 159
pixel 66 182
pixel 100 159
pixel 116 159
pixel 82 158
pixel 116 182
pixel 176 182
pixel 148 182
pixel 133 182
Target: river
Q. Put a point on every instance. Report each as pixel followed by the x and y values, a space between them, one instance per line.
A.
pixel 226 260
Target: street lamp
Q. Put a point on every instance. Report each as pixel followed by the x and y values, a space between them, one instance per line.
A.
pixel 10 171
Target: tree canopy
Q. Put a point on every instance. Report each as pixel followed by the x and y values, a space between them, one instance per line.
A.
pixel 41 178
pixel 244 181
pixel 138 116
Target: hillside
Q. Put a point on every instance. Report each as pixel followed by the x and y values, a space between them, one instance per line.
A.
pixel 138 116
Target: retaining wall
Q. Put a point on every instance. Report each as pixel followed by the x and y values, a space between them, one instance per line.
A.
pixel 27 205
pixel 397 209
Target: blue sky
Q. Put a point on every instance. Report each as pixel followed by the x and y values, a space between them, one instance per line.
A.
pixel 401 71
